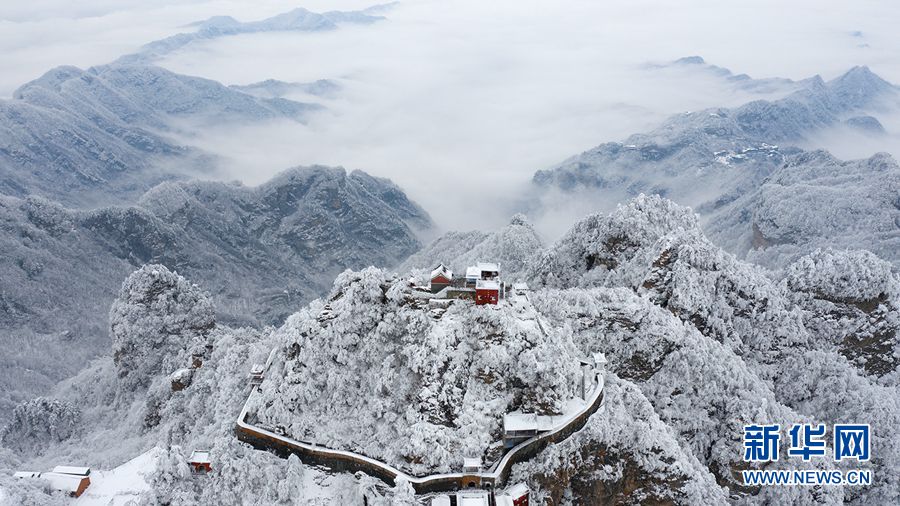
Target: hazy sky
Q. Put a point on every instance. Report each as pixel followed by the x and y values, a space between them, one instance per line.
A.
pixel 479 94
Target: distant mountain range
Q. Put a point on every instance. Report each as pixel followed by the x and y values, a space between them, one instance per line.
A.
pixel 105 135
pixel 296 20
pixel 713 159
pixel 272 88
pixel 762 86
pixel 95 181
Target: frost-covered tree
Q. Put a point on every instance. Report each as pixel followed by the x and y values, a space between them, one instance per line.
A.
pixel 749 338
pixel 167 477
pixel 291 487
pixel 39 423
pixel 158 319
pixel 852 275
pixel 851 300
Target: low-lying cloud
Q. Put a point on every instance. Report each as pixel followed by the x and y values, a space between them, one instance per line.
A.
pixel 460 102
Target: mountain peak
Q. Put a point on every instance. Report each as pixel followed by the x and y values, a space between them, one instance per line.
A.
pixel 519 219
pixel 52 79
pixel 691 60
pixel 858 86
pixel 217 22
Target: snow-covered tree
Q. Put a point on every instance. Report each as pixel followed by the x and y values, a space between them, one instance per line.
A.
pixel 156 322
pixel 39 423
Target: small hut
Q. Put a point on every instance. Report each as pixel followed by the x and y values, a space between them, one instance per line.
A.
pixel 72 484
pixel 200 462
pixel 257 374
pixel 519 494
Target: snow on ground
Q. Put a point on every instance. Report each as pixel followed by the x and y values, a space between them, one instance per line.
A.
pixel 120 486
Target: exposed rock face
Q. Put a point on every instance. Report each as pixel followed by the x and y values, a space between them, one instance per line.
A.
pixel 852 299
pixel 625 455
pixel 816 201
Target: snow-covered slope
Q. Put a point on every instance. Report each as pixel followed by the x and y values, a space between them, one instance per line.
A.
pixel 814 201
pixel 137 437
pixel 699 343
pixel 706 145
pixel 99 136
pixel 860 299
pixel 262 252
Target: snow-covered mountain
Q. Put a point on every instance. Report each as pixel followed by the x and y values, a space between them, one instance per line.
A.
pixel 699 343
pixel 376 370
pixel 762 86
pixel 713 160
pixel 692 157
pixel 713 343
pixel 815 201
pixel 102 135
pixel 296 20
pixel 261 251
pixel 273 88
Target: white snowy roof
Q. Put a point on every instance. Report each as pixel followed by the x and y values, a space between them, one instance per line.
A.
pixel 518 490
pixel 199 457
pixel 257 369
pixel 516 422
pixel 519 422
pixel 473 272
pixel 471 462
pixel 503 500
pixel 80 471
pixel 487 284
pixel 440 269
pixel 64 482
pixel 27 474
pixel 599 358
pixel 520 286
pixel 488 266
pixel 441 500
pixel 472 498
